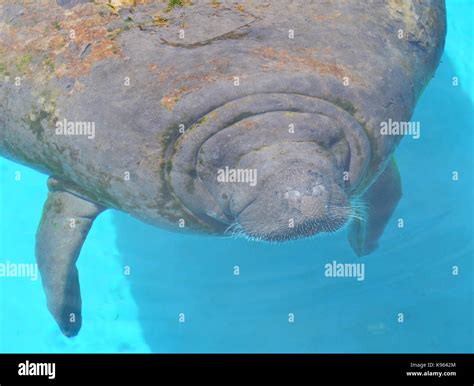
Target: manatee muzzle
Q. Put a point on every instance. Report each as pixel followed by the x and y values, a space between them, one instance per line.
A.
pixel 271 166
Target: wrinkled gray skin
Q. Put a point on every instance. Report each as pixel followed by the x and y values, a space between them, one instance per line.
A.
pixel 345 71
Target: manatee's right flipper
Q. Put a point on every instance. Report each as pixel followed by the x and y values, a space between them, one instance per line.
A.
pixel 64 226
pixel 381 199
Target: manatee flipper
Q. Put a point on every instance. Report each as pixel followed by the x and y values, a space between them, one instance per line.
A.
pixel 64 226
pixel 381 198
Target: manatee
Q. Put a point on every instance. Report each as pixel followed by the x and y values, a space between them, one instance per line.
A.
pixel 251 118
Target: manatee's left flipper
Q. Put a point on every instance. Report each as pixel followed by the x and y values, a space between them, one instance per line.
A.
pixel 64 226
pixel 381 198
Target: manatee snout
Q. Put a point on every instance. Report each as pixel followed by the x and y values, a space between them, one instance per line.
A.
pixel 293 203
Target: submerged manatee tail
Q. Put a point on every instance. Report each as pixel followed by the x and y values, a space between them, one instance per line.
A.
pixel 64 226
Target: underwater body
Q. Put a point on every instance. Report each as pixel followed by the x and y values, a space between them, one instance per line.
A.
pixel 168 292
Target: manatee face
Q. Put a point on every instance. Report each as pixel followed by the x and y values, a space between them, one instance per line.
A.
pixel 264 179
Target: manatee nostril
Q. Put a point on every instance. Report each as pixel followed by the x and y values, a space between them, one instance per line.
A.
pixel 293 195
pixel 224 196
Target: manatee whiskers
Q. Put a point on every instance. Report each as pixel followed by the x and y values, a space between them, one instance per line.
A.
pixel 351 212
pixel 358 210
pixel 236 231
pixel 357 217
pixel 339 213
pixel 359 203
pixel 335 218
pixel 309 230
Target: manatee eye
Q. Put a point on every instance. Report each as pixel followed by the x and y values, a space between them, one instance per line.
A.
pixel 224 196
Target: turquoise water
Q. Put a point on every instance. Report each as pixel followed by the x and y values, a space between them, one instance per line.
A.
pixel 411 272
